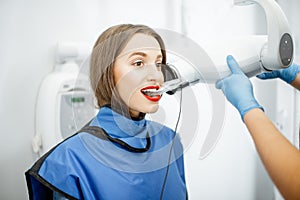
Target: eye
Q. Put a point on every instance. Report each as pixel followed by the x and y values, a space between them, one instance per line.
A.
pixel 138 63
pixel 159 66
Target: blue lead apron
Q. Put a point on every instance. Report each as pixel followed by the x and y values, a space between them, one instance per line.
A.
pixel 88 165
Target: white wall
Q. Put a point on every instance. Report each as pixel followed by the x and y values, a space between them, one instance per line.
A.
pixel 29 32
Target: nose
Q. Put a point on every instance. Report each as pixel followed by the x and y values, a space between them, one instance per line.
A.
pixel 155 74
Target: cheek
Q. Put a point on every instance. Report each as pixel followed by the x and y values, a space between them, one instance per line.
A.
pixel 128 85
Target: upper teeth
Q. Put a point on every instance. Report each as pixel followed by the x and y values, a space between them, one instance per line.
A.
pixel 149 90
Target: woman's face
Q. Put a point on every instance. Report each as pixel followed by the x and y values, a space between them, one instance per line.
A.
pixel 137 68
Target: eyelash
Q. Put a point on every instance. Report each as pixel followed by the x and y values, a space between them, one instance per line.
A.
pixel 159 65
pixel 135 63
pixel 140 63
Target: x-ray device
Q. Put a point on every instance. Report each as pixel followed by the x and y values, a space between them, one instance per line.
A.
pixel 206 61
pixel 64 102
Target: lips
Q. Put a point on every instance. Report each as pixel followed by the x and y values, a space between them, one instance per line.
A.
pixel 151 98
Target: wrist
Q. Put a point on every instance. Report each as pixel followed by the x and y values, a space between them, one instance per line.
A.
pixel 296 82
pixel 253 116
pixel 253 105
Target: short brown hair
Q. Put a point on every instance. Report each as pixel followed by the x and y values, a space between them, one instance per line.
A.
pixel 106 49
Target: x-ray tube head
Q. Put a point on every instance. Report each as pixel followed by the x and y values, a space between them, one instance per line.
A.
pixel 278 52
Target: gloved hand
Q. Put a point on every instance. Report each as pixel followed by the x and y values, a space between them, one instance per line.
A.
pixel 287 74
pixel 238 89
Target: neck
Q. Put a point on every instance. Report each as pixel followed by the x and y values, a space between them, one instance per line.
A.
pixel 124 110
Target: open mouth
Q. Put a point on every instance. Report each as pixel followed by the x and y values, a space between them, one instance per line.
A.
pixel 150 93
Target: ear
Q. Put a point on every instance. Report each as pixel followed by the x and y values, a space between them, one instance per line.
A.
pixel 169 72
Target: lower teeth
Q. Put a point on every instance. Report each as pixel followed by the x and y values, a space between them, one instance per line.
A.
pixel 151 94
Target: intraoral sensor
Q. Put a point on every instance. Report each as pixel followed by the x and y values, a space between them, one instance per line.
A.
pixel 169 87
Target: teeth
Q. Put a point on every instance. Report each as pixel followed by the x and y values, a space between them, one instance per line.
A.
pixel 150 92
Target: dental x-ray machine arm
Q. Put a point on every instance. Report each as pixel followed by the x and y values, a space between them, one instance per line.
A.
pixel 255 53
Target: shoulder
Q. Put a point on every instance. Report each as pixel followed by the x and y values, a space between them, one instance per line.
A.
pixel 62 165
pixel 68 149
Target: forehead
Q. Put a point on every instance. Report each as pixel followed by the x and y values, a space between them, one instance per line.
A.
pixel 141 41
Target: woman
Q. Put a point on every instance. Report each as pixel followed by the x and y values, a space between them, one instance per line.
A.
pixel 120 154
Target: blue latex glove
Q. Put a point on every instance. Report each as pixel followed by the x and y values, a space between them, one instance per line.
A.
pixel 287 74
pixel 238 89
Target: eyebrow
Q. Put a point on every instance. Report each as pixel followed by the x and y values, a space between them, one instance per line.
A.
pixel 143 54
pixel 138 54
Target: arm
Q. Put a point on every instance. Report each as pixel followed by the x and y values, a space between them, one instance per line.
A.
pixel 296 83
pixel 279 156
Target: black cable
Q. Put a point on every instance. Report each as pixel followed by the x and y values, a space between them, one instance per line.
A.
pixel 170 153
pixel 127 146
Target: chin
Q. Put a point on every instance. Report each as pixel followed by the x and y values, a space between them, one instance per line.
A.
pixel 143 105
pixel 152 108
pixel 148 109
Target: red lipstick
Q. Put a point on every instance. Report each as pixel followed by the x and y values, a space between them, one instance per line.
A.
pixel 151 98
